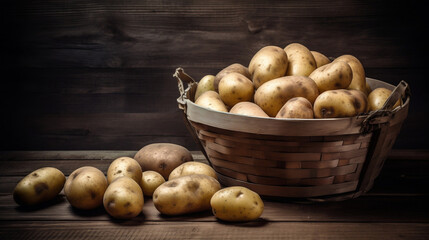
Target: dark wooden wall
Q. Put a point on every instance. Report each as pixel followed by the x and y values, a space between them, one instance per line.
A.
pixel 98 74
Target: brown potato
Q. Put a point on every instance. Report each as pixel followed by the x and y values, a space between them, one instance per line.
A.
pixel 235 88
pixel 124 166
pixel 320 58
pixel 301 61
pixel 189 168
pixel 272 95
pixel 211 100
pixel 151 180
pixel 249 109
pixel 236 68
pixel 378 97
pixel 297 107
pixel 268 63
pixel 204 85
pixel 340 103
pixel 335 75
pixel 359 80
pixel 162 157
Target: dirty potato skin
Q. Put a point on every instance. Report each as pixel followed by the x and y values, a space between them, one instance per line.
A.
pixel 39 186
pixel 340 103
pixel 248 109
pixel 270 62
pixel 151 180
pixel 272 95
pixel 85 187
pixel 235 88
pixel 301 61
pixel 233 68
pixel 335 75
pixel 359 80
pixel 189 168
pixel 162 157
pixel 237 204
pixel 204 85
pixel 211 100
pixel 297 107
pixel 378 97
pixel 186 194
pixel 320 58
pixel 124 166
pixel 123 198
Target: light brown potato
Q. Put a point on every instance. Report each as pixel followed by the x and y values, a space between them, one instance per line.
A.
pixel 249 109
pixel 320 58
pixel 335 75
pixel 235 88
pixel 124 166
pixel 189 168
pixel 272 95
pixel 39 186
pixel 162 157
pixel 211 100
pixel 301 61
pixel 236 68
pixel 123 198
pixel 378 97
pixel 340 103
pixel 368 89
pixel 151 180
pixel 237 204
pixel 270 62
pixel 187 194
pixel 205 84
pixel 359 80
pixel 85 187
pixel 297 107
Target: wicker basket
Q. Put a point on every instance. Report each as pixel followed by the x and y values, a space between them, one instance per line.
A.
pixel 313 159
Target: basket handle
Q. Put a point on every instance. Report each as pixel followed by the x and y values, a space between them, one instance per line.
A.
pixel 375 118
pixel 181 77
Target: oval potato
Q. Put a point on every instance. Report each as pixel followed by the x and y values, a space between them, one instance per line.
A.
pixel 297 107
pixel 249 109
pixel 205 84
pixel 236 68
pixel 151 180
pixel 189 168
pixel 339 103
pixel 124 166
pixel 270 62
pixel 39 186
pixel 272 95
pixel 235 88
pixel 320 58
pixel 335 75
pixel 301 61
pixel 211 100
pixel 359 80
pixel 378 97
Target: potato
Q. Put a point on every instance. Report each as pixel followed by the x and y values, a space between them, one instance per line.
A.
pixel 123 198
pixel 297 107
pixel 236 68
pixel 320 59
pixel 301 61
pixel 272 95
pixel 335 75
pixel 368 89
pixel 85 187
pixel 211 100
pixel 162 157
pixel 151 181
pixel 237 204
pixel 205 84
pixel 39 186
pixel 189 168
pixel 268 63
pixel 235 88
pixel 359 80
pixel 249 109
pixel 378 97
pixel 340 103
pixel 124 166
pixel 186 194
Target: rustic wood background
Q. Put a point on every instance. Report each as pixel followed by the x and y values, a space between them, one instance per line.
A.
pixel 98 74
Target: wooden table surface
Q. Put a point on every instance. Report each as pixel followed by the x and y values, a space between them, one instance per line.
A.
pixel 396 208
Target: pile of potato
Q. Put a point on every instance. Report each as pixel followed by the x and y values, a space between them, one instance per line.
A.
pixel 164 171
pixel 293 82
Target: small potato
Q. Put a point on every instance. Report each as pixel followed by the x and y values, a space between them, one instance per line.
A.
pixel 151 181
pixel 162 157
pixel 85 187
pixel 378 97
pixel 39 186
pixel 320 59
pixel 268 63
pixel 211 100
pixel 272 95
pixel 124 166
pixel 237 204
pixel 236 68
pixel 186 194
pixel 249 109
pixel 301 61
pixel 359 80
pixel 205 84
pixel 340 103
pixel 123 198
pixel 235 88
pixel 189 168
pixel 297 107
pixel 335 75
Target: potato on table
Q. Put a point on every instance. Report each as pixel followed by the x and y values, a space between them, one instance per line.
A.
pixel 189 168
pixel 151 180
pixel 124 166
